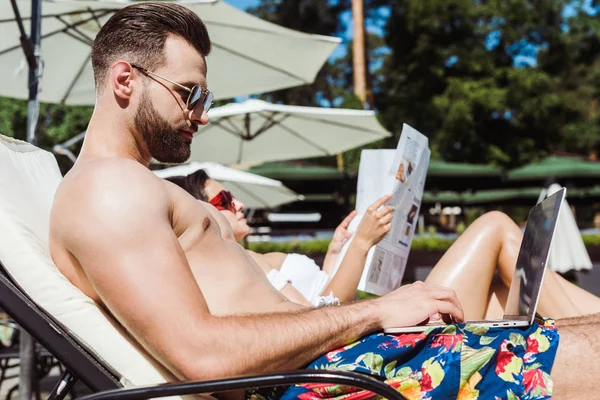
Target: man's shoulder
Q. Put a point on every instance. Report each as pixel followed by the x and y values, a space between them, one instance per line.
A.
pixel 108 171
pixel 111 175
pixel 108 187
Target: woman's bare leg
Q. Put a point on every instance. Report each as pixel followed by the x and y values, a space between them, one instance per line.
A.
pixel 559 298
pixel 469 265
pixel 492 242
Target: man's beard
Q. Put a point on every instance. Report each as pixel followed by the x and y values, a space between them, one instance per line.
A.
pixel 164 142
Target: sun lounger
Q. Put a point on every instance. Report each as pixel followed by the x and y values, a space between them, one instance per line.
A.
pixel 91 345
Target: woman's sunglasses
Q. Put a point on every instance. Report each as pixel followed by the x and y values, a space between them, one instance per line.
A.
pixel 223 201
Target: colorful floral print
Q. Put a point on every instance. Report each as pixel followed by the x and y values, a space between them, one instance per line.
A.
pixel 457 361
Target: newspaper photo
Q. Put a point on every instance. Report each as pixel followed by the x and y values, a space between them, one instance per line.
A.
pixel 402 173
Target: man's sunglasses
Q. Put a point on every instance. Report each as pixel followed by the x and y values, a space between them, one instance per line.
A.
pixel 197 92
pixel 223 201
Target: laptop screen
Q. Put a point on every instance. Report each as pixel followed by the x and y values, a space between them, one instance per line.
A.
pixel 533 256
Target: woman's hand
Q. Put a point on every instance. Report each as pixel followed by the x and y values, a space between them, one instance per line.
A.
pixel 341 234
pixel 375 224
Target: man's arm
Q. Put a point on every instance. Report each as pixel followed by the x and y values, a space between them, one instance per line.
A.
pixel 123 238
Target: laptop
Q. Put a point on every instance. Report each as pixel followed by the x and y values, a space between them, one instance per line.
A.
pixel 524 292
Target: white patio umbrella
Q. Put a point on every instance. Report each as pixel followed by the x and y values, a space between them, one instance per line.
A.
pixel 255 191
pixel 568 250
pixel 249 55
pixel 257 131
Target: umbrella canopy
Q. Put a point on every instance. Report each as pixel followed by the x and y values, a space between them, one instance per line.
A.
pixel 287 171
pixel 256 131
pixel 248 55
pixel 556 167
pixel 455 176
pixel 255 191
pixel 568 250
pixel 443 169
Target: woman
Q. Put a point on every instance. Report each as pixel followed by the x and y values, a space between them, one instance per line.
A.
pixel 480 264
pixel 297 276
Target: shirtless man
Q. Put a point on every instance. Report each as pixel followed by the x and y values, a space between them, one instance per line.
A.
pixel 165 265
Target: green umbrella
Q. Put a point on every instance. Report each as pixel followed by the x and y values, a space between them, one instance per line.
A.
pixel 556 167
pixel 289 171
pixel 440 168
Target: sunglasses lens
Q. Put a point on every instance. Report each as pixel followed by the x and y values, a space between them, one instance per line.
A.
pixel 208 101
pixel 195 95
pixel 227 197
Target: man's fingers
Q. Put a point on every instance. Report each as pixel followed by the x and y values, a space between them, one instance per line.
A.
pixel 448 295
pixel 446 307
pixel 378 203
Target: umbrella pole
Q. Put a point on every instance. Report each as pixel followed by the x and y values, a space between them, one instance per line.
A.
pixel 27 373
pixel 33 104
pixel 32 55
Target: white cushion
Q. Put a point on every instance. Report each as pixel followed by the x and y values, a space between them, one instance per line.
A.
pixel 29 177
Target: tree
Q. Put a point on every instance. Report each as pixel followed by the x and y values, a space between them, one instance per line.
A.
pixel 492 81
pixel 57 123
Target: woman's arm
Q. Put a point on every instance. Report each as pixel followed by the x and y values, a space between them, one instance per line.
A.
pixel 273 261
pixel 375 224
pixel 340 237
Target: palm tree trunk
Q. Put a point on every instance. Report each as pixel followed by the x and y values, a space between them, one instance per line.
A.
pixel 358 51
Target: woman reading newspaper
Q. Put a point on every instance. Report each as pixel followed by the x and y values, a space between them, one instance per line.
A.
pixel 485 253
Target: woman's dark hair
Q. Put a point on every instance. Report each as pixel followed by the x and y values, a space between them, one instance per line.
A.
pixel 193 184
pixel 137 34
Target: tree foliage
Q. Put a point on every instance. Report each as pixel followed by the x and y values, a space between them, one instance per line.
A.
pixel 503 82
pixel 497 81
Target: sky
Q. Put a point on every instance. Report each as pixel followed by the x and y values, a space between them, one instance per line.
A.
pixel 346 17
pixel 243 4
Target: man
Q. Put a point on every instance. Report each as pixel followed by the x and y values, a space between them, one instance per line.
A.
pixel 165 265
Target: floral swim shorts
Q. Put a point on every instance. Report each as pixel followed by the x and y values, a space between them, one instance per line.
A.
pixel 457 361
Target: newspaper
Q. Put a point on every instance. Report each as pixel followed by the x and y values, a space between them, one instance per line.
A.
pixel 402 173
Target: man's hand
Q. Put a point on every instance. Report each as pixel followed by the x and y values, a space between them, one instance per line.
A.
pixel 341 234
pixel 376 223
pixel 411 305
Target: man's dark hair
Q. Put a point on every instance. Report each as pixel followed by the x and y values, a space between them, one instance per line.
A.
pixel 137 34
pixel 193 184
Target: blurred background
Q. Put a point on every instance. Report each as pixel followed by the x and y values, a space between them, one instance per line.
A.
pixel 508 93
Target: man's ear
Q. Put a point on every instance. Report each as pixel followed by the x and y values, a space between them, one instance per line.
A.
pixel 121 80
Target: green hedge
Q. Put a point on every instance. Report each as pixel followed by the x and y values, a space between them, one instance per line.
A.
pixel 425 243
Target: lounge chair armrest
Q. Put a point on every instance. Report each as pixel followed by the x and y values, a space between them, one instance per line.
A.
pixel 353 379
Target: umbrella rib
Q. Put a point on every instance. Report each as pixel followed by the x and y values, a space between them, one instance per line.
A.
pixel 79 39
pixel 240 151
pixel 271 67
pixel 74 12
pixel 299 136
pixel 83 36
pixel 233 129
pixel 55 32
pixel 77 76
pixel 269 123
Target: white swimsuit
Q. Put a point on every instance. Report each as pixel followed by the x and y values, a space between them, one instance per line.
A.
pixel 304 275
